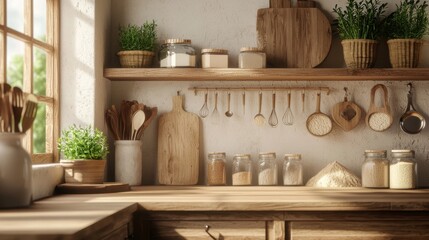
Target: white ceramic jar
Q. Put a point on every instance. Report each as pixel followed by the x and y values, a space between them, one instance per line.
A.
pixel 214 58
pixel 177 53
pixel 128 162
pixel 251 57
pixel 15 172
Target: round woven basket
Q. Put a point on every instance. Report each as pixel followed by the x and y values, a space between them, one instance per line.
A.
pixel 404 53
pixel 359 53
pixel 135 59
pixel 83 171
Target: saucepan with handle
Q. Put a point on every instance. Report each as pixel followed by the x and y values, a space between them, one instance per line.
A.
pixel 412 122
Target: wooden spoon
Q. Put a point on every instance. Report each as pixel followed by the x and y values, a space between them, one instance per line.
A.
pixel 137 122
pixel 379 118
pixel 29 113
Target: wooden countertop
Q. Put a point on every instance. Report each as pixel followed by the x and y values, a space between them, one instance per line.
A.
pixel 79 215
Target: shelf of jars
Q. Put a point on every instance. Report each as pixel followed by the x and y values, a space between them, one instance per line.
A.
pixel 266 74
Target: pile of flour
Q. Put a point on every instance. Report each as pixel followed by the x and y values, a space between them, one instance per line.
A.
pixel 334 175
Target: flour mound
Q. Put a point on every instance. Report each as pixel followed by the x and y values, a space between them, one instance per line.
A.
pixel 334 175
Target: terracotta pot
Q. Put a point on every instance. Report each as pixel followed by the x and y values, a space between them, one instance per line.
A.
pixel 135 59
pixel 84 171
pixel 404 53
pixel 359 53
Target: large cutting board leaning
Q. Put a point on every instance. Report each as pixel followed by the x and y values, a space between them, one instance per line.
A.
pixel 293 37
pixel 178 146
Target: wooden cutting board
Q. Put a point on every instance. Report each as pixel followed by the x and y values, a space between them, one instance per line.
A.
pixel 293 37
pixel 178 146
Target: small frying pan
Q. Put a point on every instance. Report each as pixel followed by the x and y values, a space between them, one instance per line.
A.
pixel 412 122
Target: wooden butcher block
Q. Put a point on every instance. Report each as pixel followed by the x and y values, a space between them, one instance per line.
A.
pixel 297 37
pixel 178 146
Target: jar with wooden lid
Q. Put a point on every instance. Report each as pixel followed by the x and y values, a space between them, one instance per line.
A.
pixel 216 170
pixel 375 169
pixel 177 53
pixel 267 169
pixel 292 170
pixel 403 170
pixel 251 57
pixel 242 170
pixel 214 58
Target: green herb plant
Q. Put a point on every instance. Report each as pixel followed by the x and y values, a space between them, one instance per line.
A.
pixel 83 143
pixel 133 37
pixel 360 19
pixel 410 20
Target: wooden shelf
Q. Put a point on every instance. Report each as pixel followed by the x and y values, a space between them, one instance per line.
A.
pixel 267 74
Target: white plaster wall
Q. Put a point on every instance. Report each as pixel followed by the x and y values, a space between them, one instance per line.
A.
pixel 85 29
pixel 231 25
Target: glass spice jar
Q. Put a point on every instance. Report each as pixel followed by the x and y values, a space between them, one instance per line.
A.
pixel 251 57
pixel 267 172
pixel 242 170
pixel 216 173
pixel 177 53
pixel 292 170
pixel 403 170
pixel 375 169
pixel 214 58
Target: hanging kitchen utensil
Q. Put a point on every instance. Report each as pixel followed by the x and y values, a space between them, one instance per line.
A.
pixel 204 111
pixel 346 114
pixel 293 37
pixel 318 123
pixel 303 100
pixel 229 112
pixel 259 119
pixel 273 120
pixel 411 122
pixel 243 100
pixel 288 116
pixel 178 146
pixel 215 113
pixel 379 118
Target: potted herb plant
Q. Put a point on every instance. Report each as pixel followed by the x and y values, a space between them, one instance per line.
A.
pixel 359 26
pixel 405 29
pixel 85 149
pixel 137 45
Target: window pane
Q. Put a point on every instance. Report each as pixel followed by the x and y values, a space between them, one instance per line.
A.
pixel 39 15
pixel 15 14
pixel 15 62
pixel 39 130
pixel 39 71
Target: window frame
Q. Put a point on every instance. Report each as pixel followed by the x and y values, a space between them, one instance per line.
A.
pixel 51 48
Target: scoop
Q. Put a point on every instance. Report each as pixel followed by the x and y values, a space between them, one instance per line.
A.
pixel 259 118
pixel 318 123
pixel 411 122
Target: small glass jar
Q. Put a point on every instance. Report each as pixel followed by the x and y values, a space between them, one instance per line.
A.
pixel 177 53
pixel 214 58
pixel 403 170
pixel 251 57
pixel 242 170
pixel 267 172
pixel 375 169
pixel 292 170
pixel 216 174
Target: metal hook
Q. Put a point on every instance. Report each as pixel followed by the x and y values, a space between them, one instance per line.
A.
pixel 207 228
pixel 410 85
pixel 178 93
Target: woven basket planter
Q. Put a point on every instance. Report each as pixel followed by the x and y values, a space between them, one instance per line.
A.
pixel 359 53
pixel 404 53
pixel 84 171
pixel 135 59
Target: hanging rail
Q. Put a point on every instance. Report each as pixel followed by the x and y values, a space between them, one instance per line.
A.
pixel 276 89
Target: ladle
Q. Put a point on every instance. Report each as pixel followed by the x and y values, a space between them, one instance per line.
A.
pixel 259 118
pixel 229 112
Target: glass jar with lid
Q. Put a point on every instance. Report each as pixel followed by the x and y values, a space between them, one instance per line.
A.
pixel 216 171
pixel 292 170
pixel 267 171
pixel 403 170
pixel 251 57
pixel 242 170
pixel 214 58
pixel 375 169
pixel 177 53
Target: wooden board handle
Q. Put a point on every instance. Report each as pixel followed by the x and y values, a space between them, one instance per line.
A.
pixel 178 103
pixel 386 96
pixel 280 4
